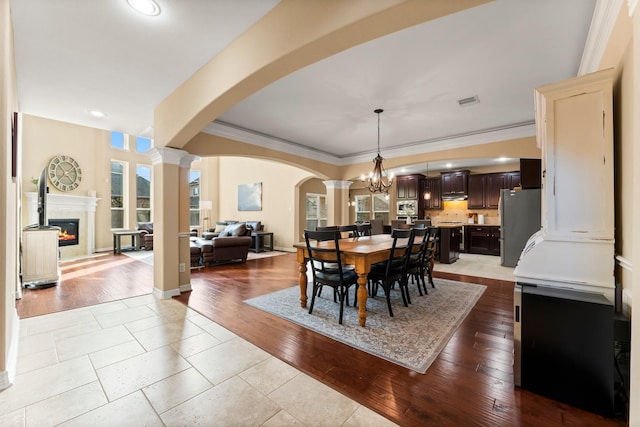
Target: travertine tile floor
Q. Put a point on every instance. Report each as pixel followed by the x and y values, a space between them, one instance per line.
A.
pixel 142 361
pixel 478 265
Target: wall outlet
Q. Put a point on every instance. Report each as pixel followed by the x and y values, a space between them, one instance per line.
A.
pixel 182 267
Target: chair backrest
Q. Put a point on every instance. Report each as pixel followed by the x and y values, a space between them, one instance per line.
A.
pixel 420 242
pixel 425 222
pixel 364 229
pixel 327 228
pixel 401 249
pixel 396 224
pixel 376 226
pixel 432 240
pixel 320 255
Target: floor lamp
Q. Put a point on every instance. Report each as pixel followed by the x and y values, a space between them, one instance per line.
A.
pixel 205 208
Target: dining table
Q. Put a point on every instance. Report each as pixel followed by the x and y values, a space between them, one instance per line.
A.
pixel 361 252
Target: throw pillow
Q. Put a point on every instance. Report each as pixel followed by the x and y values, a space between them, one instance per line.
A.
pixel 238 229
pixel 220 228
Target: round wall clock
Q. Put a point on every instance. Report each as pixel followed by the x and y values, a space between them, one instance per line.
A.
pixel 64 173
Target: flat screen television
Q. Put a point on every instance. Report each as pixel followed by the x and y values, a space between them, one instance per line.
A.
pixel 42 199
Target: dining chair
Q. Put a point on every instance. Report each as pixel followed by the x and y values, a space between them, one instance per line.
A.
pixel 327 228
pixel 430 251
pixel 415 266
pixel 394 268
pixel 376 226
pixel 338 277
pixel 364 229
pixel 351 229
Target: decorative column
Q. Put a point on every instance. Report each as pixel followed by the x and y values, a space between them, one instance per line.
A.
pixel 170 221
pixel 337 202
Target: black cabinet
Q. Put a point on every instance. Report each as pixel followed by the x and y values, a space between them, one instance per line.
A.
pixel 477 192
pixel 531 173
pixel 482 239
pixel 567 346
pixel 454 184
pixel 433 187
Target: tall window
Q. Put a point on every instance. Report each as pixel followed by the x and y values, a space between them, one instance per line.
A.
pixel 194 198
pixel 381 208
pixel 118 179
pixel 316 211
pixel 363 208
pixel 143 193
pixel 142 144
pixel 119 140
pixel 375 206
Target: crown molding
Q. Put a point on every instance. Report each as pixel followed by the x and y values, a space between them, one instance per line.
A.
pixel 514 131
pixel 603 21
pixel 337 185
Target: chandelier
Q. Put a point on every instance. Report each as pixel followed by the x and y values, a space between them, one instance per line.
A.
pixel 378 180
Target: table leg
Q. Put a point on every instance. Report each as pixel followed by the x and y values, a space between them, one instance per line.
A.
pixel 362 299
pixel 114 244
pixel 303 284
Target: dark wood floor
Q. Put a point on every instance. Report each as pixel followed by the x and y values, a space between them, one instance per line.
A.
pixel 470 383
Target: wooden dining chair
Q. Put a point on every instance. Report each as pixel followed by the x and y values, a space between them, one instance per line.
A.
pixel 394 269
pixel 352 230
pixel 415 266
pixel 364 229
pixel 338 277
pixel 430 251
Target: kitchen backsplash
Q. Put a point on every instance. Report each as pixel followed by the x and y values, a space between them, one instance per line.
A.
pixel 457 211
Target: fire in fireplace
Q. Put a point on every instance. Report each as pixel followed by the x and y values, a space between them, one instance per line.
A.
pixel 68 234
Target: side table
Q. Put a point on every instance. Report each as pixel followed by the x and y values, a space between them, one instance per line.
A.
pixel 258 244
pixel 136 241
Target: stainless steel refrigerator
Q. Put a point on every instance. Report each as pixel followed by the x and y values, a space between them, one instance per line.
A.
pixel 519 219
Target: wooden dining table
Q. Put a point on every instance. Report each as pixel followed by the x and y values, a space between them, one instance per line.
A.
pixel 360 252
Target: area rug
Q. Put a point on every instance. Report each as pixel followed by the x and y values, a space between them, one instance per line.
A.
pixel 413 338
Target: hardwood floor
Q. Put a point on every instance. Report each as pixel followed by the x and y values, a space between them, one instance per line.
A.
pixel 470 383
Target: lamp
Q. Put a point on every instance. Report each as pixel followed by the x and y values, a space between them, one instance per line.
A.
pixel 427 194
pixel 378 180
pixel 205 207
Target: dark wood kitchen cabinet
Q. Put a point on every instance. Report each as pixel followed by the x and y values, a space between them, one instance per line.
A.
pixel 482 239
pixel 484 189
pixel 449 244
pixel 454 184
pixel 477 192
pixel 408 186
pixel 432 186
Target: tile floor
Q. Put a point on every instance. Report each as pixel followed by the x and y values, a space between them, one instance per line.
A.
pixel 142 361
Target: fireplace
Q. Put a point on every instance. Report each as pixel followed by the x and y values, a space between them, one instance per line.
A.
pixel 69 230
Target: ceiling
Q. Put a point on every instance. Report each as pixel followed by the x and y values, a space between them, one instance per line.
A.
pixel 74 56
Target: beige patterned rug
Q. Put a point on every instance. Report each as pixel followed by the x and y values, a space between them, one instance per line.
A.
pixel 413 338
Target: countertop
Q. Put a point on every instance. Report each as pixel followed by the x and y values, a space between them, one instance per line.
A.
pixel 462 224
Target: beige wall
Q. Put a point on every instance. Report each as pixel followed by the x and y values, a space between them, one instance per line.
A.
pixel 9 208
pixel 91 148
pixel 279 195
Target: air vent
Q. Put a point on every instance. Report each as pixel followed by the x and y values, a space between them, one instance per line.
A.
pixel 464 102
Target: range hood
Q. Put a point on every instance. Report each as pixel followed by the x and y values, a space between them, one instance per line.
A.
pixel 454 197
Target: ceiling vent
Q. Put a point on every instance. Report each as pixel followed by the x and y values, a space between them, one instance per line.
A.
pixel 465 102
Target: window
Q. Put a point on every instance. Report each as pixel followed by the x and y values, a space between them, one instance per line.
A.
pixel 143 193
pixel 119 140
pixel 194 198
pixel 381 207
pixel 316 211
pixel 363 208
pixel 142 144
pixel 118 179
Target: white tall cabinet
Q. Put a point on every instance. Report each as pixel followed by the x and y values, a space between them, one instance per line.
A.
pixel 40 257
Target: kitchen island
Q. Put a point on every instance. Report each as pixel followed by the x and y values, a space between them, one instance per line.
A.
pixel 450 238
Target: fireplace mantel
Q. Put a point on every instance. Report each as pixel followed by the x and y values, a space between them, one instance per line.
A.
pixel 62 206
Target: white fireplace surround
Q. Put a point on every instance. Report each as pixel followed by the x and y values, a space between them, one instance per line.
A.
pixel 67 206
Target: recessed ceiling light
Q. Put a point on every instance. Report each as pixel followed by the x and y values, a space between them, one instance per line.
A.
pixel 146 7
pixel 96 113
pixel 502 159
pixel 448 165
pixel 464 102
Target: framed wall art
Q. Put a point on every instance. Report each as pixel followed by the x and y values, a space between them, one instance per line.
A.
pixel 250 197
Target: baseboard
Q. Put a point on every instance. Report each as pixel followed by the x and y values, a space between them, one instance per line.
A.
pixel 160 294
pixel 8 377
pixel 185 288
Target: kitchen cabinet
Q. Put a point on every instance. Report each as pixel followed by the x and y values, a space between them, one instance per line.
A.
pixel 454 184
pixel 408 187
pixel 484 189
pixel 482 239
pixel 449 244
pixel 433 186
pixel 531 173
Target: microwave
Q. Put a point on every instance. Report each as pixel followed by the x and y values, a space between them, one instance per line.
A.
pixel 407 208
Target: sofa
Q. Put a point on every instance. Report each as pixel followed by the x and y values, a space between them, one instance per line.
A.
pixel 230 244
pixel 146 234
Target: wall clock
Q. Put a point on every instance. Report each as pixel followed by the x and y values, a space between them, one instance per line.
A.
pixel 64 173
